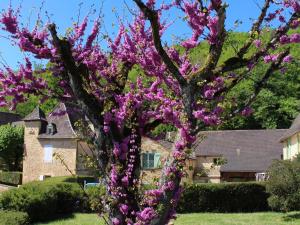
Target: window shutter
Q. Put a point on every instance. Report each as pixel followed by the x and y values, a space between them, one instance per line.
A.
pixel 144 161
pixel 157 160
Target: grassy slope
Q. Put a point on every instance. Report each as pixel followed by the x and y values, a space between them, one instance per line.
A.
pixel 268 218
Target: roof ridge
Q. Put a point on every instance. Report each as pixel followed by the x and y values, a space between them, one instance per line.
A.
pixel 36 114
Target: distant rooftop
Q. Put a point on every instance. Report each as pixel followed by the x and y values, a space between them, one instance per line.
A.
pixel 36 114
pixel 64 117
pixel 245 150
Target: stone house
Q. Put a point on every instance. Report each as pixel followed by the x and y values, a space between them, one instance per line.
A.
pixel 48 136
pixel 234 155
pixel 219 156
pixel 291 140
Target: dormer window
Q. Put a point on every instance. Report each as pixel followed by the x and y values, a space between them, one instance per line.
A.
pixel 51 129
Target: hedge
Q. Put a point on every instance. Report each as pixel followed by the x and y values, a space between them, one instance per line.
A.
pixel 225 197
pixel 14 218
pixel 11 178
pixel 57 196
pixel 44 200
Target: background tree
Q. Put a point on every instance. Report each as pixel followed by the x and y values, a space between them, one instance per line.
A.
pixel 11 147
pixel 177 92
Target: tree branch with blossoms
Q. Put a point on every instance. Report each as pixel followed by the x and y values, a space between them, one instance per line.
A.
pixel 170 89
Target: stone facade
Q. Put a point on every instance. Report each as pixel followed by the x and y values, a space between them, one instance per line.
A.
pixel 50 153
pixel 193 165
pixel 34 164
pixel 240 150
pixel 151 146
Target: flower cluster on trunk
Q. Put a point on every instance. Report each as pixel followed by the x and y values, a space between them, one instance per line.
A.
pixel 169 88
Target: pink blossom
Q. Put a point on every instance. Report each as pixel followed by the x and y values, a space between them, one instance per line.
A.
pixel 247 111
pixel 116 221
pixel 9 20
pixel 287 59
pixel 257 43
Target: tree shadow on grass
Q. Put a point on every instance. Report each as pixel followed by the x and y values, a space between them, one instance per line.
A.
pixel 291 217
pixel 57 217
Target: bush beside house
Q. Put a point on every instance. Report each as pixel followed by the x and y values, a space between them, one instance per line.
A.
pixel 11 178
pixel 45 200
pixel 284 185
pixel 14 218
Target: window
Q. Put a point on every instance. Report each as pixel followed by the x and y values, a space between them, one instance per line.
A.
pixel 48 152
pixel 150 160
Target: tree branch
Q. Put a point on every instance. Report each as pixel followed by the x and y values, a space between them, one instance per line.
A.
pixel 255 30
pixel 215 49
pixel 87 102
pixel 152 16
pixel 237 62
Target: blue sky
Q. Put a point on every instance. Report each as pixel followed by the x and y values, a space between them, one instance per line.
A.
pixel 64 12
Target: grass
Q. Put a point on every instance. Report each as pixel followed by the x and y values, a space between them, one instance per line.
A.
pixel 265 218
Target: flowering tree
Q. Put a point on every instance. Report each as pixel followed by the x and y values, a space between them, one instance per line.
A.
pixel 175 92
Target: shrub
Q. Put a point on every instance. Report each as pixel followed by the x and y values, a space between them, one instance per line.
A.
pixel 43 201
pixel 11 178
pixel 11 147
pixel 14 218
pixel 94 203
pixel 284 185
pixel 226 197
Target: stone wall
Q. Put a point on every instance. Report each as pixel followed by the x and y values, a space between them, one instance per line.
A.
pixel 149 145
pixel 34 165
pixel 206 171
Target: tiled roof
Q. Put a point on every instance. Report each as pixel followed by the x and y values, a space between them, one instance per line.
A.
pixel 36 114
pixel 295 128
pixel 166 144
pixel 6 117
pixel 245 150
pixel 64 117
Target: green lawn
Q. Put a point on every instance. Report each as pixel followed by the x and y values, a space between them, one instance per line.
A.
pixel 200 219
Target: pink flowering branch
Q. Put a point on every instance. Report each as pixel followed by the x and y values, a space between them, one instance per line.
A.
pixel 174 90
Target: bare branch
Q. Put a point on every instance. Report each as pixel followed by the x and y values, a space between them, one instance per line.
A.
pixel 255 30
pixel 201 4
pixel 152 16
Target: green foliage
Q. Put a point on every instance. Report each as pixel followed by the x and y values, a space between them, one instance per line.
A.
pixel 14 218
pixel 11 178
pixel 226 197
pixel 284 185
pixel 94 198
pixel 11 147
pixel 44 200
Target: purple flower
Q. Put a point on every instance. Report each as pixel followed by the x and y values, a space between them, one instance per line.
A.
pixel 124 209
pixel 257 43
pixel 116 221
pixel 247 111
pixel 287 59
